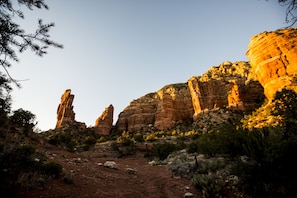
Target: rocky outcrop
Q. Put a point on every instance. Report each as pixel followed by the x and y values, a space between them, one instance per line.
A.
pixel 174 106
pixel 139 115
pixel 273 56
pixel 65 113
pixel 104 123
pixel 162 109
pixel 231 85
pixel 238 86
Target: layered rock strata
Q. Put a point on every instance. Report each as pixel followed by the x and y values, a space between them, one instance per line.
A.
pixel 273 56
pixel 174 106
pixel 65 113
pixel 104 122
pixel 230 85
pixel 162 110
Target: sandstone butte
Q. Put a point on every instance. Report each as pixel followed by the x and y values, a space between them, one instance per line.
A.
pixel 273 57
pixel 239 86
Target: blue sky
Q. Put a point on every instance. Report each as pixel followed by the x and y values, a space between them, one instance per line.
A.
pixel 119 50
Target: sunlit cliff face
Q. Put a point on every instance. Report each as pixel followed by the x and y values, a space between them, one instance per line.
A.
pixel 231 85
pixel 65 113
pixel 273 57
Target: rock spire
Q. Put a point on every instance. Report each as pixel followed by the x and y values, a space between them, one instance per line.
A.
pixel 104 122
pixel 65 113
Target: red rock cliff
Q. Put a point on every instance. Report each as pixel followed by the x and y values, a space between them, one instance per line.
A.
pixel 273 56
pixel 174 106
pixel 227 85
pixel 162 109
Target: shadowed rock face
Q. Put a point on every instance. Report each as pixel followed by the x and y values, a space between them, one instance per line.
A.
pixel 103 124
pixel 227 85
pixel 273 56
pixel 65 113
pixel 162 109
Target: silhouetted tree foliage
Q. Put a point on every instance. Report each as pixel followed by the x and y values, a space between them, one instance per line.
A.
pixel 291 11
pixel 14 38
pixel 4 99
pixel 286 106
pixel 24 119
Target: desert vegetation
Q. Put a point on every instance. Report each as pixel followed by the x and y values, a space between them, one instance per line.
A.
pixel 262 157
pixel 224 153
pixel 244 155
pixel 259 157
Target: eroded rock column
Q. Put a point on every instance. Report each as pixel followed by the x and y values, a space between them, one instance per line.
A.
pixel 65 113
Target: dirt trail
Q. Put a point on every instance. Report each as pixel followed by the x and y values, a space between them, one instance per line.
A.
pixel 91 179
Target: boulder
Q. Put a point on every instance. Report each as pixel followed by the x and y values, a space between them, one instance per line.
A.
pixel 131 171
pixel 188 195
pixel 273 57
pixel 111 164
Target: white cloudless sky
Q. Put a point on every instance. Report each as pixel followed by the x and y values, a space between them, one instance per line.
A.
pixel 119 50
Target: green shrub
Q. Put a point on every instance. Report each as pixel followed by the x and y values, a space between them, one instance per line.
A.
pixel 25 151
pixel 101 139
pixel 151 137
pixel 139 137
pixel 211 166
pixel 66 141
pixel 126 141
pixel 53 140
pixel 192 147
pixel 225 139
pixel 23 156
pixel 90 140
pixel 30 180
pixel 24 119
pixel 114 146
pixel 207 144
pixel 271 168
pixel 163 150
pixel 20 157
pixel 52 169
pixel 208 184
